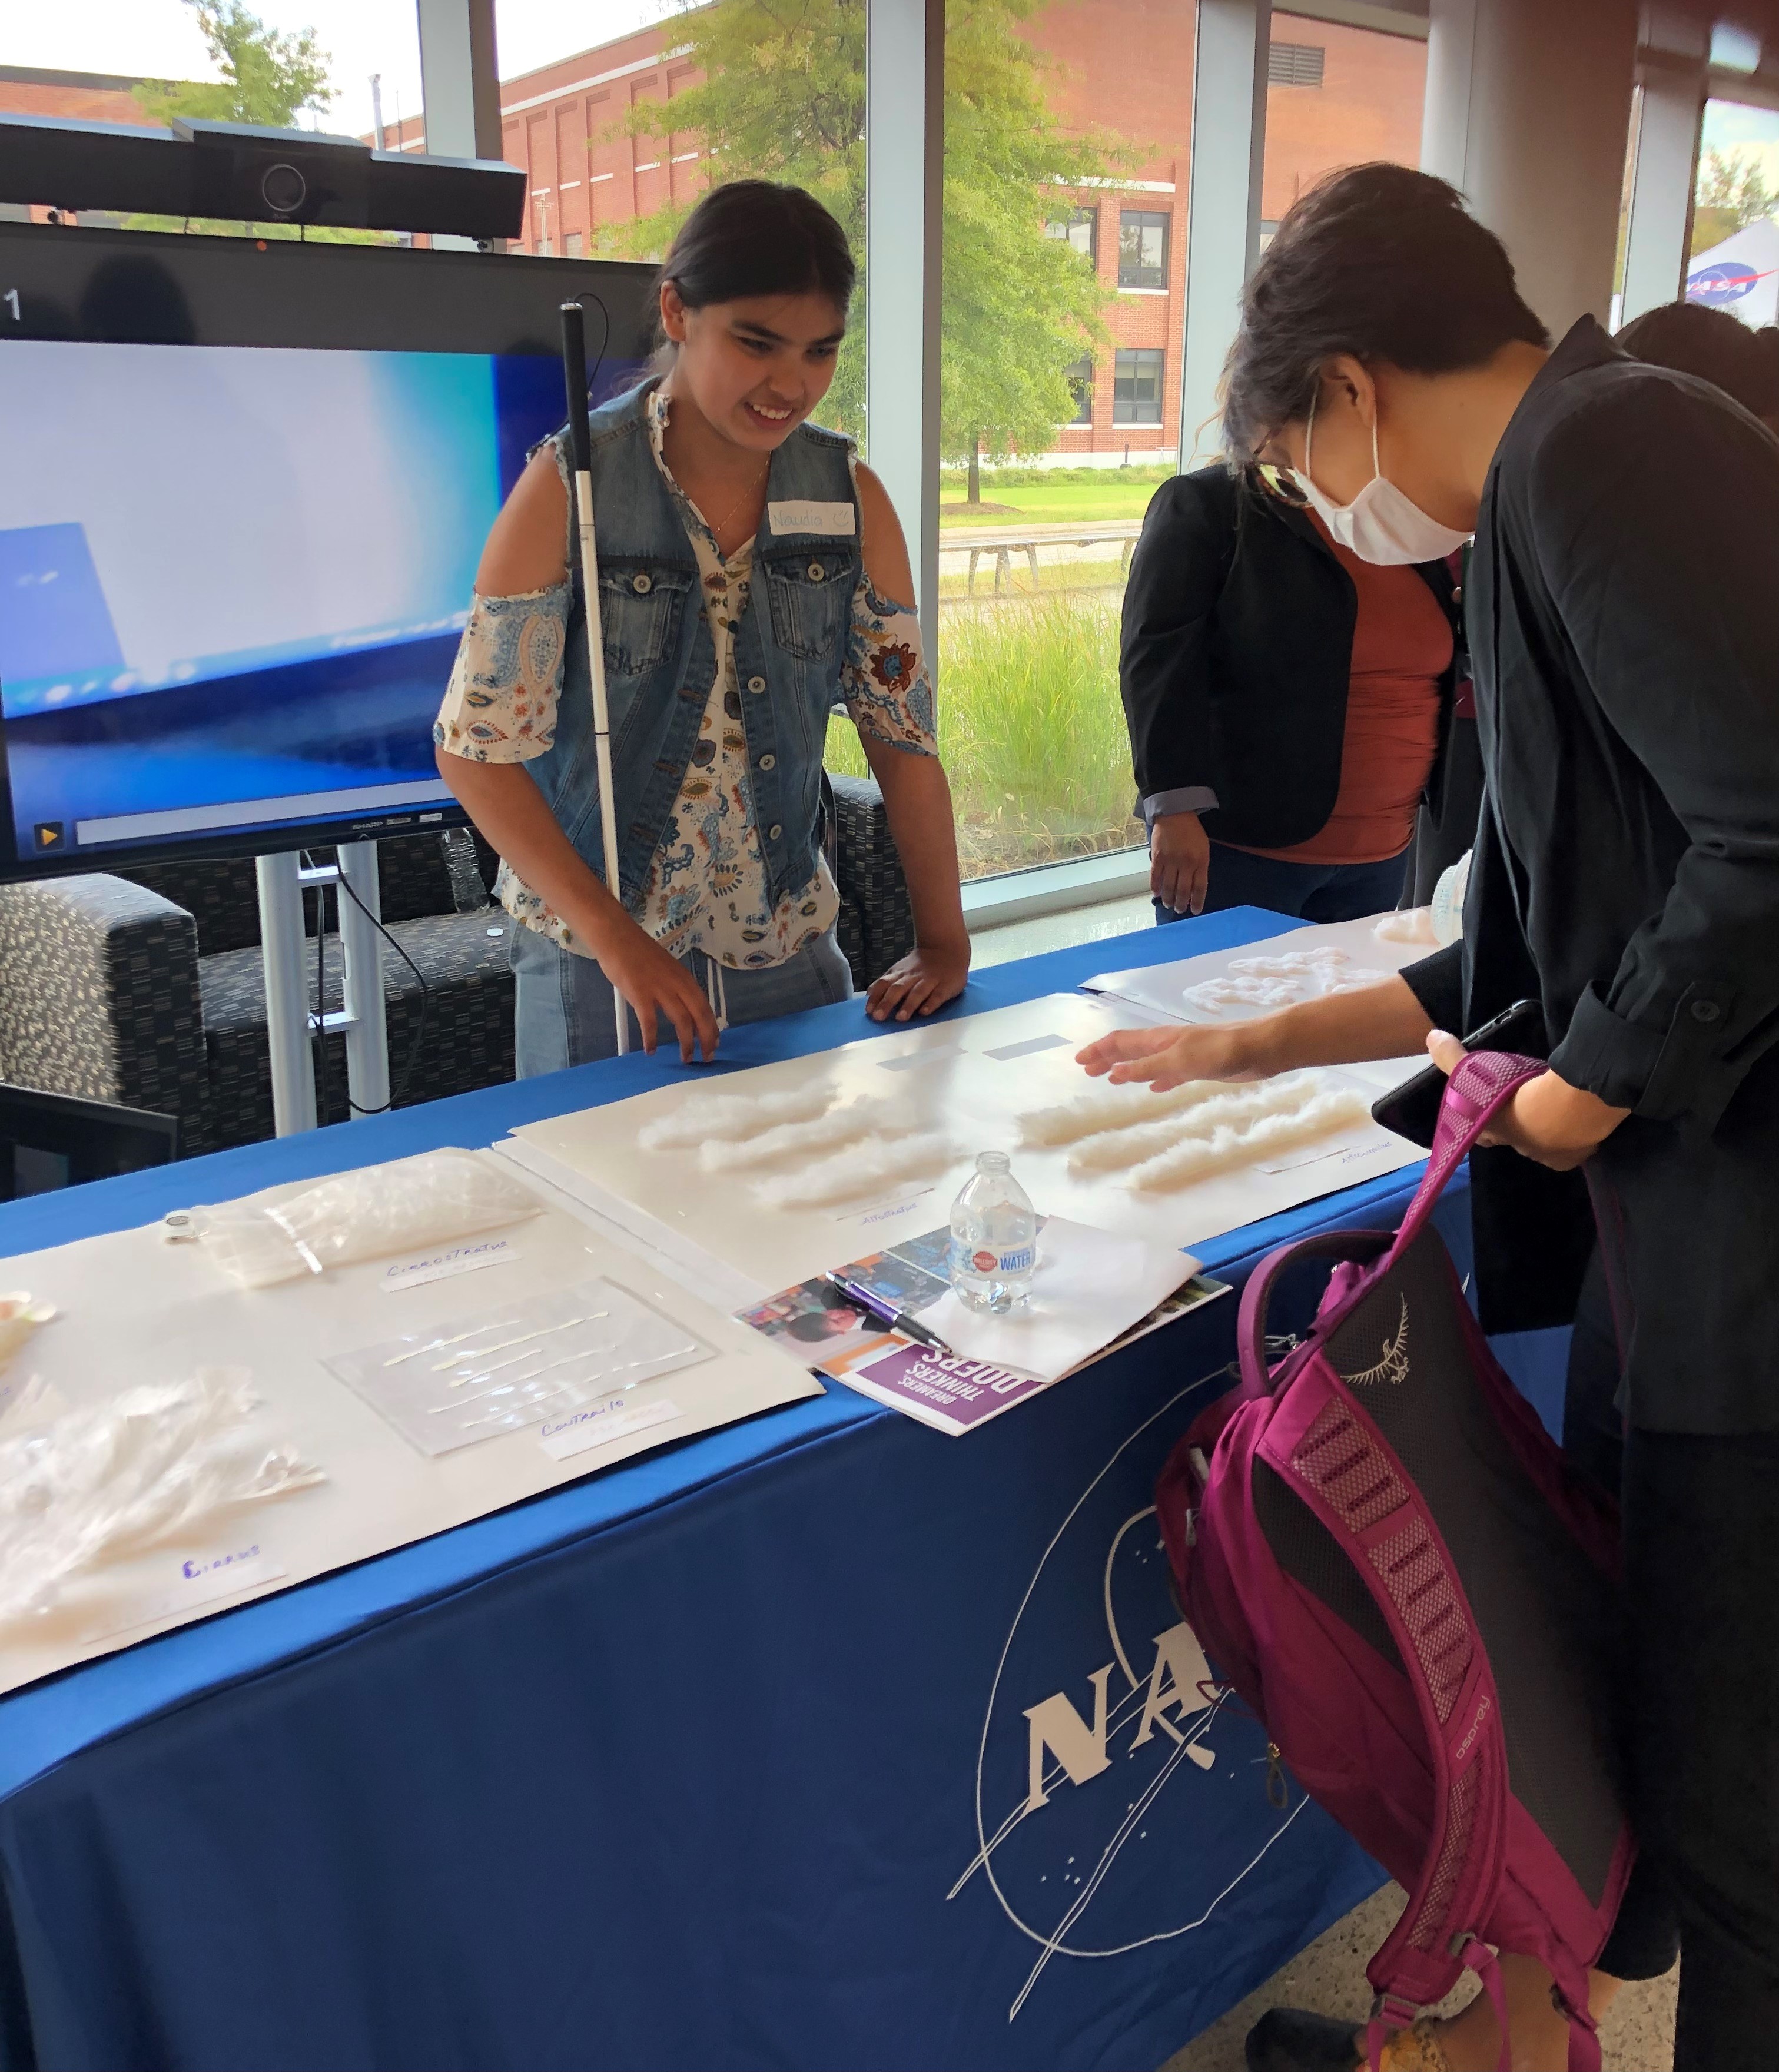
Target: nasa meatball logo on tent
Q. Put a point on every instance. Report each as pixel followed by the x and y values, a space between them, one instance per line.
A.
pixel 1740 275
pixel 1121 1795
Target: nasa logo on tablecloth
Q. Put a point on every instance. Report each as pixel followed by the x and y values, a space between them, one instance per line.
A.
pixel 1120 1798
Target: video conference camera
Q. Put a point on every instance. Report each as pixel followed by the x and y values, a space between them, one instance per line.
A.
pixel 234 170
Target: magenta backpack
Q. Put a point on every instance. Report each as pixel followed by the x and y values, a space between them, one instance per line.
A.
pixel 1386 1557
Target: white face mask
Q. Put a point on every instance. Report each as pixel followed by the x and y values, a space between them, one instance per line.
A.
pixel 1380 524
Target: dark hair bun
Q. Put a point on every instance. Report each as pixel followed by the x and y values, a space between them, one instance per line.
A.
pixel 754 238
pixel 1380 261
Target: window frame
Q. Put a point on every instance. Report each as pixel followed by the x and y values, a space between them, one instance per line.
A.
pixel 1138 275
pixel 1081 215
pixel 1154 363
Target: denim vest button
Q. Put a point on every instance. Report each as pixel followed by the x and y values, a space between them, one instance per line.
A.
pixel 773 831
pixel 817 573
pixel 642 584
pixel 769 762
pixel 756 684
pixel 1706 1010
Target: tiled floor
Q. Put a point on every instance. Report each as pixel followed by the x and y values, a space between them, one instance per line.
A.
pixel 1329 1978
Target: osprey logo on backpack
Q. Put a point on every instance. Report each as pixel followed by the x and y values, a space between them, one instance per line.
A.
pixel 1394 1366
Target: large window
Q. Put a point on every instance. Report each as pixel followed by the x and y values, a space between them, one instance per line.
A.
pixel 1337 96
pixel 351 67
pixel 1080 381
pixel 1734 263
pixel 1142 249
pixel 1137 386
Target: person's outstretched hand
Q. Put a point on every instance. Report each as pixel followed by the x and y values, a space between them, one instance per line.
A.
pixel 1548 1120
pixel 654 984
pixel 921 983
pixel 1168 1056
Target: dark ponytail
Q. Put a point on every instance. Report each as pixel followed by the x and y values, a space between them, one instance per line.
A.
pixel 754 237
pixel 1382 262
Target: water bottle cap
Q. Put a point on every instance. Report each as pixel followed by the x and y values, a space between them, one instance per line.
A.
pixel 993 1162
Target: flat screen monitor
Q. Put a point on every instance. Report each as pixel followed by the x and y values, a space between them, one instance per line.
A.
pixel 243 487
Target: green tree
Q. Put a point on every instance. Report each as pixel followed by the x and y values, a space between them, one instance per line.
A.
pixel 1732 192
pixel 783 98
pixel 267 78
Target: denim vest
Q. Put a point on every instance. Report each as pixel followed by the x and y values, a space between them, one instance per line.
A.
pixel 660 661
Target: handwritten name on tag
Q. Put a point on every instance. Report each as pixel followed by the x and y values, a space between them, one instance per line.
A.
pixel 837 521
pixel 603 1424
pixel 199 1580
pixel 454 1259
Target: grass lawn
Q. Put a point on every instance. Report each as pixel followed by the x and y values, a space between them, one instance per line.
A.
pixel 1033 735
pixel 1056 503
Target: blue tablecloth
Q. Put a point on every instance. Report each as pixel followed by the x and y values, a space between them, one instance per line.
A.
pixel 693 1763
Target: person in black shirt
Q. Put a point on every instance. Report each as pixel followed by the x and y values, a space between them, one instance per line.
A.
pixel 1626 875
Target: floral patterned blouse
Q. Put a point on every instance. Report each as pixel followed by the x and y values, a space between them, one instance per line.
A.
pixel 706 888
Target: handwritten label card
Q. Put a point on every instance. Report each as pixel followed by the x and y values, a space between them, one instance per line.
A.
pixel 603 1424
pixel 196 1581
pixel 466 1258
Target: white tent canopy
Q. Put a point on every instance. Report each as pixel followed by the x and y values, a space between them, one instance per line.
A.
pixel 1740 275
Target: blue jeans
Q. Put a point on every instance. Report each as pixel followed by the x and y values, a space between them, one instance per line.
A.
pixel 1312 891
pixel 563 1012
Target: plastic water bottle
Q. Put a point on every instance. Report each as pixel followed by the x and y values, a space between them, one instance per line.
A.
pixel 994 1239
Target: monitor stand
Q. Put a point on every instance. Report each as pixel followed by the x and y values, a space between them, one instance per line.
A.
pixel 291 1026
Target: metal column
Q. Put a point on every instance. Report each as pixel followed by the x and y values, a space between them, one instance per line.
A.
pixel 904 213
pixel 1229 124
pixel 459 78
pixel 361 950
pixel 281 950
pixel 1670 113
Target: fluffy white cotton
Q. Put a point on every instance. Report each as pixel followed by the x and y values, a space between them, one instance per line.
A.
pixel 1200 1158
pixel 862 1168
pixel 1413 924
pixel 1269 982
pixel 1106 1106
pixel 796 1139
pixel 706 1118
pixel 1230 1108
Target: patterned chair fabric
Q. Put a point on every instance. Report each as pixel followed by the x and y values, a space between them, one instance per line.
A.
pixel 149 990
pixel 877 922
pixel 99 996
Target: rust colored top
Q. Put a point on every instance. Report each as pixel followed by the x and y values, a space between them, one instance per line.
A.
pixel 1402 645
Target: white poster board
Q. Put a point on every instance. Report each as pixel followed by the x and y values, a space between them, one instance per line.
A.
pixel 970 1080
pixel 136 1308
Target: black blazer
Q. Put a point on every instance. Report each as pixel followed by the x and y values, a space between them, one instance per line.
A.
pixel 1237 650
pixel 1626 870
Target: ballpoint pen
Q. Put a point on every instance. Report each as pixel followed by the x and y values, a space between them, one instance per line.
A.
pixel 885 1312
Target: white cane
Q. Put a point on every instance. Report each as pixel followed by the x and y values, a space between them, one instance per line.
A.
pixel 574 376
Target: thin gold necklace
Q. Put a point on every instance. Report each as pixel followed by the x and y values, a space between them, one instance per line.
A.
pixel 752 489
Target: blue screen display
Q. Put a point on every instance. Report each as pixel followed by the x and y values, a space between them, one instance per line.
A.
pixel 232 578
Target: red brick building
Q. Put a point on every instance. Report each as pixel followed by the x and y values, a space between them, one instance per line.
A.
pixel 1338 95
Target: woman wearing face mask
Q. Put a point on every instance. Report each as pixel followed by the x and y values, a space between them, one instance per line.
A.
pixel 751 576
pixel 1626 875
pixel 1287 671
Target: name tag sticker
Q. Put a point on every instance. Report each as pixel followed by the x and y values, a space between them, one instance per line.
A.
pixel 602 1425
pixel 837 521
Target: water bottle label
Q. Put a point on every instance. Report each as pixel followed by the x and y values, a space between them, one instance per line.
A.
pixel 1020 1261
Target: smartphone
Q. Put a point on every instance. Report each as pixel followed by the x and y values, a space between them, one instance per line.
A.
pixel 1412 1109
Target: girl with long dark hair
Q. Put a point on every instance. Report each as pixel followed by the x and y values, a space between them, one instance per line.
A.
pixel 752 576
pixel 1626 876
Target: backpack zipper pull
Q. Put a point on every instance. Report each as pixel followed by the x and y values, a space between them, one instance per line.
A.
pixel 1278 1790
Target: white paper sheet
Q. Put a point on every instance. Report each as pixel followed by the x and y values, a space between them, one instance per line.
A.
pixel 966 1086
pixel 1159 989
pixel 137 1309
pixel 1089 1288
